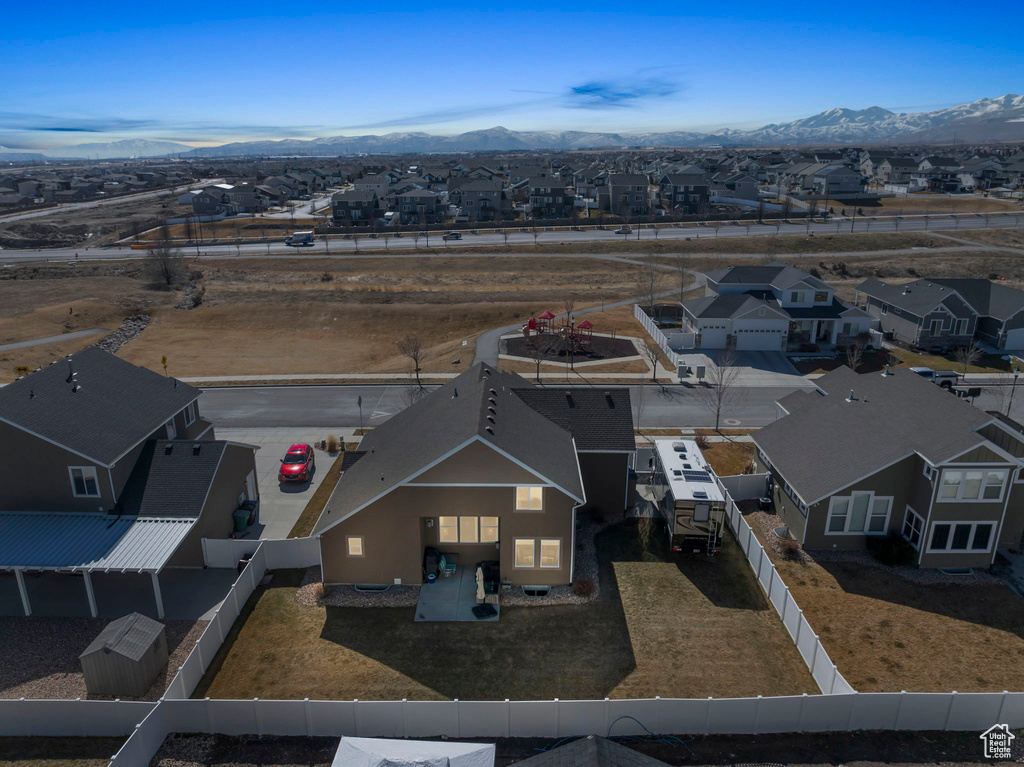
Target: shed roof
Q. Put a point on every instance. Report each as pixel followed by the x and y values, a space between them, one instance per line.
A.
pixel 46 540
pixel 130 636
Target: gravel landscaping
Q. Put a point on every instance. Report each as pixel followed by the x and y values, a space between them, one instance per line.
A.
pixel 40 655
pixel 130 328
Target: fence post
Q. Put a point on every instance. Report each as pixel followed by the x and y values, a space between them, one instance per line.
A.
pixel 558 719
pixel 256 715
pixel 799 626
pixel 814 653
pixel 800 716
pixel 657 713
pixel 757 713
pixel 1002 705
pixel 508 718
pixel 305 713
pixel 206 710
pixel 406 700
pixel 949 711
pixel 199 654
pixel 707 717
pixel 899 708
pixel 832 684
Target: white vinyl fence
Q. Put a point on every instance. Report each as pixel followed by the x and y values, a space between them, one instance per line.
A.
pixel 282 554
pixel 72 718
pixel 824 671
pixel 655 333
pixel 566 718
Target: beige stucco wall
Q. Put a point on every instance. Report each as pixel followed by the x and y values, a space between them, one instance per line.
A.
pixel 398 528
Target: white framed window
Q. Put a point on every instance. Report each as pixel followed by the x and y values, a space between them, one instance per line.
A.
pixel 524 552
pixel 84 483
pixel 529 498
pixel 934 327
pixel 469 529
pixel 796 297
pixel 354 544
pixel 448 529
pixel 862 512
pixel 960 327
pixel 190 413
pixel 961 536
pixel 982 485
pixel 928 470
pixel 885 308
pixel 913 527
pixel 551 553
pixel 171 430
pixel 488 529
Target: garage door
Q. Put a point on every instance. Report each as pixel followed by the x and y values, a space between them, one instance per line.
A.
pixel 713 337
pixel 1014 339
pixel 759 340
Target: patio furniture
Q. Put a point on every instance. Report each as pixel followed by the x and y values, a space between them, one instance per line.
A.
pixel 484 611
pixel 491 575
pixel 447 564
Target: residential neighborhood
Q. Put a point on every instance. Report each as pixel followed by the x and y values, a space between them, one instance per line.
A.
pixel 559 410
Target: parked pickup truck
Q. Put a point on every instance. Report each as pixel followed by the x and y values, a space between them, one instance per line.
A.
pixel 944 378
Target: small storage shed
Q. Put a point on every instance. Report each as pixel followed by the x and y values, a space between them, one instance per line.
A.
pixel 126 657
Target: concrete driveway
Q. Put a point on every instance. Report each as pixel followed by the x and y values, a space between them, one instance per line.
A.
pixel 756 368
pixel 282 504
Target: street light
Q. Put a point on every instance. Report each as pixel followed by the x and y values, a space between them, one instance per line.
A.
pixel 1013 388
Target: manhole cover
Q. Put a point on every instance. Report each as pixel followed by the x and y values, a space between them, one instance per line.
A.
pixel 732 422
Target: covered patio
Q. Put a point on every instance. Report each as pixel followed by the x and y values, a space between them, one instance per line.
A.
pixel 82 544
pixel 452 598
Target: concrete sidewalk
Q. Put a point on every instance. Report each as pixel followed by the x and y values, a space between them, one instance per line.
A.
pixel 52 339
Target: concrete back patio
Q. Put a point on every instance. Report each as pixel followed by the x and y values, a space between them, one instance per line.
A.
pixel 451 598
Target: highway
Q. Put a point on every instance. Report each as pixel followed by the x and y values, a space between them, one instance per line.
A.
pixel 340 247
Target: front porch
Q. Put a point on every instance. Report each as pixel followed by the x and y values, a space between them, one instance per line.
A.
pixel 804 333
pixel 454 597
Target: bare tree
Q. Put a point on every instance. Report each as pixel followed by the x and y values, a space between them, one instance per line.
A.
pixel 719 387
pixel 166 263
pixel 679 261
pixel 651 354
pixel 538 346
pixel 569 305
pixel 505 233
pixel 855 355
pixel 648 279
pixel 412 347
pixel 966 356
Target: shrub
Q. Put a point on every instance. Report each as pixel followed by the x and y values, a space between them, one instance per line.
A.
pixel 584 587
pixel 702 441
pixel 333 444
pixel 790 549
pixel 891 550
pixel 326 277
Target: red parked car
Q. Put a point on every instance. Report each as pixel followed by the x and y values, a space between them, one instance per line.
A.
pixel 297 465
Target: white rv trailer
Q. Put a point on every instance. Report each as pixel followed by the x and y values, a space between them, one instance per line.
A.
pixel 688 494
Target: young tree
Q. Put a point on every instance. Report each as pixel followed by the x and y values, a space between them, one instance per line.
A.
pixel 538 347
pixel 651 354
pixel 854 355
pixel 966 356
pixel 679 261
pixel 719 388
pixel 166 263
pixel 411 346
pixel 648 279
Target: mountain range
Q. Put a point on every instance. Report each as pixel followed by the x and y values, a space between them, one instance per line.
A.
pixel 996 119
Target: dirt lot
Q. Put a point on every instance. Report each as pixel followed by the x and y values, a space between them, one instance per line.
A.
pixel 58 752
pixel 919 203
pixel 729 458
pixel 680 628
pixel 41 655
pixel 862 749
pixel 888 630
pixel 89 226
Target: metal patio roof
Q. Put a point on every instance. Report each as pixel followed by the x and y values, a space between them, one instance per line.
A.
pixel 90 542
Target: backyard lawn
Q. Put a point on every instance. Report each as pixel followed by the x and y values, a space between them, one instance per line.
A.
pixel 697 628
pixel 729 458
pixel 888 633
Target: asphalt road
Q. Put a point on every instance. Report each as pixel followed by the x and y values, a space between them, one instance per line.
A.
pixel 73 206
pixel 314 406
pixel 673 406
pixel 347 248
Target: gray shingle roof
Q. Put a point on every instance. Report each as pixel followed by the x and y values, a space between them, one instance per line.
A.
pixel 130 636
pixel 597 419
pixel 171 478
pixel 592 751
pixel 776 274
pixel 116 405
pixel 919 297
pixel 826 443
pixel 441 422
pixel 989 299
pixel 724 306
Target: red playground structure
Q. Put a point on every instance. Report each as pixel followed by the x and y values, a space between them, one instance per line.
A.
pixel 576 336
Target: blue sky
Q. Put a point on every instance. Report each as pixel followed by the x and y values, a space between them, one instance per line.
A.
pixel 211 73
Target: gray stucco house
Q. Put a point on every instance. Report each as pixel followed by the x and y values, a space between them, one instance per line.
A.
pixel 874 454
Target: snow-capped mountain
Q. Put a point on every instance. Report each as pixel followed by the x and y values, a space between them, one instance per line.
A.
pixel 987 119
pixel 134 147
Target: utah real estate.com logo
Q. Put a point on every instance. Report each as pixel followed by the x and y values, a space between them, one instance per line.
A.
pixel 998 742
